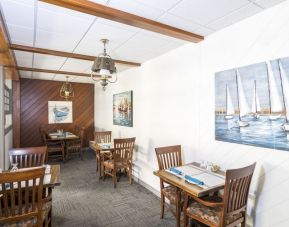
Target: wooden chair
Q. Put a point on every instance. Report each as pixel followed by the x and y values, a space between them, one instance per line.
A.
pixel 170 156
pixel 229 210
pixel 28 157
pixel 74 147
pixel 101 137
pixel 55 148
pixel 21 198
pixel 121 159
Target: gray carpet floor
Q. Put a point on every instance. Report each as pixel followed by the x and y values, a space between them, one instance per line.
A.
pixel 83 200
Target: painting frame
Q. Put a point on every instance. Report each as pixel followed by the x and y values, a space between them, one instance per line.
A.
pixel 60 112
pixel 252 104
pixel 123 109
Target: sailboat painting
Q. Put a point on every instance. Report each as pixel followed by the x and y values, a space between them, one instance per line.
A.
pixel 59 112
pixel 252 105
pixel 122 109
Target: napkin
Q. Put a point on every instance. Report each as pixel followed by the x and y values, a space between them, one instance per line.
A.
pixel 193 180
pixel 176 171
pixel 47 169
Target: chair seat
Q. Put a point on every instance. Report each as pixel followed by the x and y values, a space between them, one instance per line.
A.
pixel 212 215
pixel 110 164
pixel 170 193
pixel 33 221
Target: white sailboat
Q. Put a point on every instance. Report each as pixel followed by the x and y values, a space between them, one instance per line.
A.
pixel 275 104
pixel 229 105
pixel 242 103
pixel 255 103
pixel 285 93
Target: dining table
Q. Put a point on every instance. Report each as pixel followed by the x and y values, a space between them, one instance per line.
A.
pixel 102 150
pixel 212 181
pixel 62 136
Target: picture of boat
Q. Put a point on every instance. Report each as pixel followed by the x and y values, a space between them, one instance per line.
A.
pixel 241 101
pixel 122 109
pixel 229 105
pixel 59 112
pixel 285 94
pixel 275 105
pixel 255 103
pixel 251 104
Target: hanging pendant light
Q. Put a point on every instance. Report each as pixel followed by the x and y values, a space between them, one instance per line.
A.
pixel 66 90
pixel 103 68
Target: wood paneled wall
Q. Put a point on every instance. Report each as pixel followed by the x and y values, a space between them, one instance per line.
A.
pixel 34 97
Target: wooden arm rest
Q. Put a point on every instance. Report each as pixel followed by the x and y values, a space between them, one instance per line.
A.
pixel 209 203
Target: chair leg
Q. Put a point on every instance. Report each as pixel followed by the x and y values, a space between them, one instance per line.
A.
pixel 178 210
pixel 130 175
pixel 186 219
pixel 96 163
pixel 162 205
pixel 103 172
pixel 63 157
pixel 243 224
pixel 81 153
pixel 114 177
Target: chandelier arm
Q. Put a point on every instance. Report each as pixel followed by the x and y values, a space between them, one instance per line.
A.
pixel 93 78
pixel 114 80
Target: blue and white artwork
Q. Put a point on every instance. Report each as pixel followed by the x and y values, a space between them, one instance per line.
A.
pixel 122 109
pixel 59 112
pixel 252 104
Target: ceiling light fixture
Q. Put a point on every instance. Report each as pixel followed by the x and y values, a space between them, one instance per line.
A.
pixel 66 90
pixel 103 68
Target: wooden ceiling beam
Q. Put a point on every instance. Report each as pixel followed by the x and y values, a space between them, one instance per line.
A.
pixel 109 13
pixel 65 54
pixel 55 72
pixel 52 71
pixel 7 58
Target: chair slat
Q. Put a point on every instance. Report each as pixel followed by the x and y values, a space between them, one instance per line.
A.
pixel 27 157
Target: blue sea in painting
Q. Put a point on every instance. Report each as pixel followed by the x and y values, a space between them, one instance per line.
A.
pixel 260 132
pixel 122 118
pixel 252 104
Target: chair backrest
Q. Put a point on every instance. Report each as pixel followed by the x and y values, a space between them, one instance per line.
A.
pixel 236 190
pixel 76 130
pixel 42 133
pixel 82 136
pixel 21 195
pixel 169 156
pixel 28 157
pixel 104 136
pixel 123 149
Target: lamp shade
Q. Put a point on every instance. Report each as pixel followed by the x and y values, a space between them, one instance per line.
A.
pixel 103 66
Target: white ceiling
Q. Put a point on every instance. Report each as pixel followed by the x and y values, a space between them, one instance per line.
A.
pixel 34 23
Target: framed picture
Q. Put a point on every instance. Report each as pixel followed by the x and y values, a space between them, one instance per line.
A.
pixel 123 109
pixel 252 104
pixel 59 112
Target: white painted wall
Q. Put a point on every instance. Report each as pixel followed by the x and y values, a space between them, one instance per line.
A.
pixel 174 104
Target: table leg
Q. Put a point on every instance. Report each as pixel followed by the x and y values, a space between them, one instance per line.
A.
pixel 178 207
pixel 100 167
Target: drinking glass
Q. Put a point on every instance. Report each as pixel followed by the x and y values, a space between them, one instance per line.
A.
pixel 203 164
pixel 14 166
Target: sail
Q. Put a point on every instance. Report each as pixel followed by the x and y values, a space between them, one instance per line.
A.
pixel 285 83
pixel 276 104
pixel 230 107
pixel 256 101
pixel 243 105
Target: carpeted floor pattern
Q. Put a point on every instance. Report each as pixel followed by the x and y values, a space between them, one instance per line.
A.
pixel 83 200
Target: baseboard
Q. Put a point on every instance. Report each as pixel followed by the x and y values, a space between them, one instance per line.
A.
pixel 148 187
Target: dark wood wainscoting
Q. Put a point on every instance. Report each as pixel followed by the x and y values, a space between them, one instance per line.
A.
pixel 34 97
